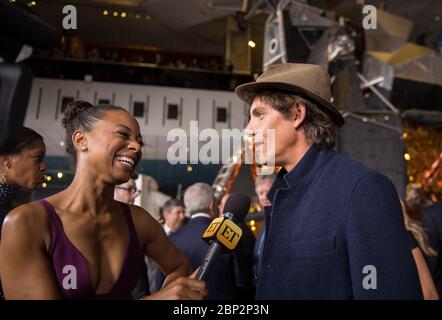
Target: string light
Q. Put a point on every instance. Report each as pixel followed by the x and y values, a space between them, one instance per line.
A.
pixel 48 178
pixel 123 14
pixel 424 145
pixel 251 44
pixel 60 175
pixel 44 185
pixel 407 156
pixel 115 14
pixel 189 168
pixel 105 13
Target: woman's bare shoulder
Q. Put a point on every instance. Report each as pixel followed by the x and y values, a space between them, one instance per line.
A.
pixel 145 225
pixel 140 214
pixel 30 218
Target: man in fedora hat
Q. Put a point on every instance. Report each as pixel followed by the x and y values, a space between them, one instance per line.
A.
pixel 335 229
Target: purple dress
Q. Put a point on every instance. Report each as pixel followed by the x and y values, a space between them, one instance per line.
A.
pixel 71 268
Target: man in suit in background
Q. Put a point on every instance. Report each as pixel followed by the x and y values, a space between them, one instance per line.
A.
pixel 173 215
pixel 262 187
pixel 222 282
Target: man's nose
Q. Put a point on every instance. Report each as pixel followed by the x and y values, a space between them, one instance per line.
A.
pixel 250 129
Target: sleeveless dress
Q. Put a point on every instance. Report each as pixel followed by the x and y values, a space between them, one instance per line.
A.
pixel 71 268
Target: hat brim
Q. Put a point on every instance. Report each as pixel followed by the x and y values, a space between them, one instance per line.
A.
pixel 248 91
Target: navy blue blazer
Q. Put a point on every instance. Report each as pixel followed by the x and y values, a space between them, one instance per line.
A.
pixel 221 280
pixel 335 230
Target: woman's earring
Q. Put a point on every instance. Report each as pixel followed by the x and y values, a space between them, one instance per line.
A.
pixel 83 149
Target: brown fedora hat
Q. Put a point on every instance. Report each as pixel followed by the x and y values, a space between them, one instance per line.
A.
pixel 306 80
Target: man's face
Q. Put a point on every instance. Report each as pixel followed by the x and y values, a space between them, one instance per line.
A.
pixel 263 121
pixel 126 192
pixel 174 218
pixel 261 190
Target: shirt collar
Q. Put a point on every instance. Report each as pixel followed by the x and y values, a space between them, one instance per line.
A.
pixel 167 230
pixel 201 214
pixel 302 173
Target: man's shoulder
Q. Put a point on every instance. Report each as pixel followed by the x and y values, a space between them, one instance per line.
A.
pixel 345 169
pixel 344 163
pixel 191 229
pixel 343 174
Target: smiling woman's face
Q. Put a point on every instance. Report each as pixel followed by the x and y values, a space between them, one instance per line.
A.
pixel 27 168
pixel 113 147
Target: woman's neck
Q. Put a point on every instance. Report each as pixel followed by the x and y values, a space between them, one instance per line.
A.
pixel 88 193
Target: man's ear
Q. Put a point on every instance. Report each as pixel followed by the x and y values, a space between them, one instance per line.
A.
pixel 79 140
pixel 299 114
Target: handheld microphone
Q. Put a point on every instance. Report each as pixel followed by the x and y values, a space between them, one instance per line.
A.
pixel 223 234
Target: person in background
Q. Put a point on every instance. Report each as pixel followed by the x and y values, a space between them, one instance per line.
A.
pixel 173 216
pixel 21 168
pixel 263 184
pixel 242 256
pixel 126 192
pixel 222 281
pixel 421 249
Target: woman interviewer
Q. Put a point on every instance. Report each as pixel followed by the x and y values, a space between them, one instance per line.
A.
pixel 81 243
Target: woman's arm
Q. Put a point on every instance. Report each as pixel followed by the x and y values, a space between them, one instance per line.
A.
pixel 25 269
pixel 172 262
pixel 427 283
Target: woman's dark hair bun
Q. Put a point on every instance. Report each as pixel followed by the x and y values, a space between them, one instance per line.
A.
pixel 73 109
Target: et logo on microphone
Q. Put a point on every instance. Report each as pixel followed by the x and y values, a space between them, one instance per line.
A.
pixel 225 231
